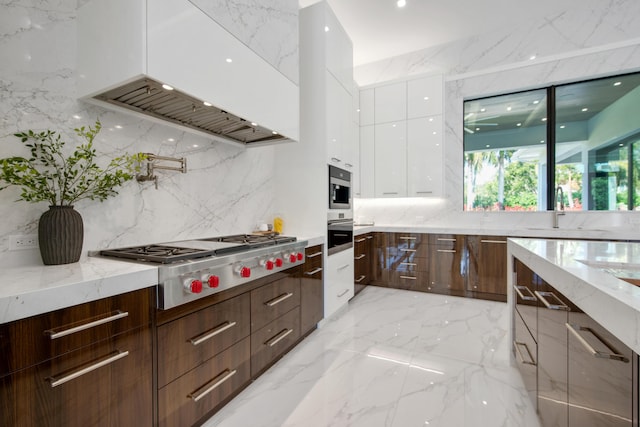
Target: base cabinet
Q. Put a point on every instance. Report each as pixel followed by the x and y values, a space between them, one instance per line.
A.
pixel 339 287
pixel 447 264
pixel 311 289
pixel 362 254
pixel 105 380
pixel 487 265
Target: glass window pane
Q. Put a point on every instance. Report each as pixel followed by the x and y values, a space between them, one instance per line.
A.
pixel 597 125
pixel 505 155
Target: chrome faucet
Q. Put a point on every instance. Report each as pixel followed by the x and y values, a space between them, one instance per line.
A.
pixel 556 212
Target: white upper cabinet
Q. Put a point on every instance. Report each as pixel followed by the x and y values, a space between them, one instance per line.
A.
pixel 341 131
pixel 424 97
pixel 367 108
pixel 175 43
pixel 424 157
pixel 339 50
pixel 391 159
pixel 391 102
pixel 367 162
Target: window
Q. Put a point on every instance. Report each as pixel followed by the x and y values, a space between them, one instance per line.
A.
pixel 583 137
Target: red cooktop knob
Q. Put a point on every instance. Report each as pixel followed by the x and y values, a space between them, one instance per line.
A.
pixel 193 285
pixel 292 257
pixel 245 272
pixel 269 265
pixel 300 256
pixel 214 281
pixel 278 262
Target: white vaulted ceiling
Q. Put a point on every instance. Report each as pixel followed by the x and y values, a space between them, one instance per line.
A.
pixel 379 29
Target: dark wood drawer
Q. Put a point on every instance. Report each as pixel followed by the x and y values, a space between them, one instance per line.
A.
pixel 273 300
pixel 445 241
pixel 103 384
pixel 311 290
pixel 410 240
pixel 187 342
pixel 273 340
pixel 185 400
pixel 36 339
pixel 313 258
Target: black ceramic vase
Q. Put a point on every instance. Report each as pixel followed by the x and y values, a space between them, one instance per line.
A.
pixel 60 235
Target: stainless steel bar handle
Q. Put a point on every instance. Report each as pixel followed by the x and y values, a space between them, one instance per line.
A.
pixel 446 239
pixel 424 192
pixel 281 335
pixel 312 272
pixel 369 237
pixel 341 234
pixel 315 254
pixel 391 192
pixel 360 240
pixel 342 293
pixel 278 299
pixel 212 333
pixel 360 256
pixel 614 355
pixel 516 346
pixel 408 277
pixel 360 279
pixel 335 159
pixel 519 290
pixel 80 372
pixel 349 165
pixel 215 383
pixel 407 250
pixel 541 297
pixel 493 241
pixel 343 267
pixel 53 335
pixel 409 263
pixel 449 251
pixel 407 238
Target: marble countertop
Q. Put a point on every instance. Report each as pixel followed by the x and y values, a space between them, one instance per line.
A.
pixel 578 269
pixel 604 233
pixel 32 290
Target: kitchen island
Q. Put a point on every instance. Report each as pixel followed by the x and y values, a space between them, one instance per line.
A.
pixel 574 328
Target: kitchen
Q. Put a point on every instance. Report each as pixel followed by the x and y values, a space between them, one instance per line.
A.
pixel 218 197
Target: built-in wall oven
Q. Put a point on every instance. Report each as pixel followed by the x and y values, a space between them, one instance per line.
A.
pixel 339 188
pixel 339 232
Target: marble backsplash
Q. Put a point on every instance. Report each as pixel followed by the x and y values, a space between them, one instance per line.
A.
pixel 227 189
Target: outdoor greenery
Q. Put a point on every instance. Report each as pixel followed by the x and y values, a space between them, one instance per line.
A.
pixel 49 175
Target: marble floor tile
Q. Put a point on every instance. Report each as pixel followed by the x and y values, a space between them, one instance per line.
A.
pixel 393 358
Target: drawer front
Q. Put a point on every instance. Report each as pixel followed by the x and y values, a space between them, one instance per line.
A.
pixel 33 340
pixel 525 350
pixel 273 340
pixel 273 300
pixel 312 290
pixel 184 401
pixel 104 384
pixel 187 342
pixel 445 241
pixel 410 240
pixel 411 280
pixel 313 258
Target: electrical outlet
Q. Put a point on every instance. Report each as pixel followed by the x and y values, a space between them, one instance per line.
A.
pixel 25 241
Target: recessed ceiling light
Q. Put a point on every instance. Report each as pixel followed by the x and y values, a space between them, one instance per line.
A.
pixel 482 110
pixel 229 60
pixel 426 98
pixel 585 109
pixel 544 119
pixel 542 141
pixel 195 145
pixel 401 3
pixel 435 133
pixel 477 129
pixel 536 102
pixel 393 125
pixel 487 145
pixel 77 117
pixel 274 132
pixel 167 87
pixel 562 126
pixel 430 119
pixel 509 108
pixel 254 124
pixel 357 110
pixel 617 83
pixel 621 144
pixel 326 28
pixel 170 139
pixel 207 104
pixel 532 57
pixel 519 124
pixel 118 127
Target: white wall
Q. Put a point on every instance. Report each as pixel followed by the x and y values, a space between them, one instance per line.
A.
pixel 226 190
pixel 597 40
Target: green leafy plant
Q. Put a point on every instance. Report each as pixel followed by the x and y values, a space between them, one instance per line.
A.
pixel 50 176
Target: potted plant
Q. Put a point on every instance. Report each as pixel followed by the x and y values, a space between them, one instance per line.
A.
pixel 51 175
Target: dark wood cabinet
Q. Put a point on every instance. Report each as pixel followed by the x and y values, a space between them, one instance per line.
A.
pixel 447 264
pixel 401 261
pixel 312 289
pixel 273 340
pixel 487 265
pixel 362 253
pixel 86 365
pixel 272 301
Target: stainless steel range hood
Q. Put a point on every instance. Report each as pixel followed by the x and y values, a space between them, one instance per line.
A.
pixel 151 98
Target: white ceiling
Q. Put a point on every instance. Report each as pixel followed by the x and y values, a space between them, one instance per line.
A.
pixel 379 29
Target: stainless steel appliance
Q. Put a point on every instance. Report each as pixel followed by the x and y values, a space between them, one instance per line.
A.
pixel 339 232
pixel 193 269
pixel 339 188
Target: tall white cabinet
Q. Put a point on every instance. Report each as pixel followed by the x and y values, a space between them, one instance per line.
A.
pixel 328 136
pixel 401 136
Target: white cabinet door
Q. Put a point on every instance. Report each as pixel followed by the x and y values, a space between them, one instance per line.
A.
pixel 367 161
pixel 424 97
pixel 339 286
pixel 338 50
pixel 391 159
pixel 367 107
pixel 341 133
pixel 390 103
pixel 424 157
